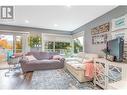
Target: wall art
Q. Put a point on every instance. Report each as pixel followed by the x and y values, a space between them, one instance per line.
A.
pixel 100 29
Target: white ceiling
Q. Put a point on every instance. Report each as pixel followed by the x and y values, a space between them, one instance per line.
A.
pixel 67 18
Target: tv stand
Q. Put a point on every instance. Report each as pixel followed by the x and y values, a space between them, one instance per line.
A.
pixel 110 75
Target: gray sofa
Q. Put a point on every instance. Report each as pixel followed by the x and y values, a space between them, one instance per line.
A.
pixel 44 61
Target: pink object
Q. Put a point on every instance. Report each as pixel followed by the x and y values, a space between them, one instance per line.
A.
pixel 57 57
pixel 17 54
pixel 89 70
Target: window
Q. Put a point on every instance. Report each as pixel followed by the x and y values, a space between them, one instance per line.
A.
pixel 18 44
pixel 6 45
pixel 59 47
pixel 49 46
pixel 78 44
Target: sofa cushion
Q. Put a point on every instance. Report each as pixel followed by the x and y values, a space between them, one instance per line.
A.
pixel 30 58
pixel 73 62
pixel 87 61
pixel 89 56
pixel 74 59
pixel 43 61
pixel 57 57
pixel 43 55
pixel 35 54
pixel 81 55
pixel 77 66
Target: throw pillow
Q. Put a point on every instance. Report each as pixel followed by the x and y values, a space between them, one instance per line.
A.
pixel 87 61
pixel 31 57
pixel 57 57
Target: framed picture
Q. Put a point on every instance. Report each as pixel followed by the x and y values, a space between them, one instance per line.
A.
pixel 99 39
pixel 104 28
pixel 100 29
pixel 119 23
pixel 94 31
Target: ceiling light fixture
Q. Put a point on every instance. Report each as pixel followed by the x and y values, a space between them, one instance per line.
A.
pixel 68 5
pixel 56 25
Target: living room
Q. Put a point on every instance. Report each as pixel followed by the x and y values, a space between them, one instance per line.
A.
pixel 48 50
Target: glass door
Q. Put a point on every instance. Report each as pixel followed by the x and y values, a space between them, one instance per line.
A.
pixel 18 44
pixel 9 44
pixel 6 45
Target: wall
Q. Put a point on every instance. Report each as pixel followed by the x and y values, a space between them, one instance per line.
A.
pixel 89 47
pixel 57 37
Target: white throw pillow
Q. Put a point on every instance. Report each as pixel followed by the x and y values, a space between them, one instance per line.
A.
pixel 31 57
pixel 74 59
pixel 87 61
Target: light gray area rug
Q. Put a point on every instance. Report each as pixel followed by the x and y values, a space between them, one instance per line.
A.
pixel 57 79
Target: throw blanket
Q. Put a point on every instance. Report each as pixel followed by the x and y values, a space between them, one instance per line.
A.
pixel 89 70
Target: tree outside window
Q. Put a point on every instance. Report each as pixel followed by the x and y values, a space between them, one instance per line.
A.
pixel 78 45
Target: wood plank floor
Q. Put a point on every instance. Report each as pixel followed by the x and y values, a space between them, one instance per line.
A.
pixel 3 65
pixel 19 81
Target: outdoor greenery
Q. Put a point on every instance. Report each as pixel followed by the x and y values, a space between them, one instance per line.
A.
pixel 58 45
pixel 77 46
pixel 18 46
pixel 49 45
pixel 61 45
pixel 35 41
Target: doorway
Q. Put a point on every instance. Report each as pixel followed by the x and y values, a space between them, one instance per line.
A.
pixel 10 43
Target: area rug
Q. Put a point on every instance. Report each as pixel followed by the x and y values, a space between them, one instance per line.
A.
pixel 57 79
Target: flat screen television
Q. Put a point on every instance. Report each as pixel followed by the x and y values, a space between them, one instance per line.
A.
pixel 115 48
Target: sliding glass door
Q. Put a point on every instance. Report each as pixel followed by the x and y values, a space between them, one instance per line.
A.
pixel 18 44
pixel 6 46
pixel 9 44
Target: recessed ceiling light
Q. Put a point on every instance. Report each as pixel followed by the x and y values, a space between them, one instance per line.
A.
pixel 68 5
pixel 26 21
pixel 56 25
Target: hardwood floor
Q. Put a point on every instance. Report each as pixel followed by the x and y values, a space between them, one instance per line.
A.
pixel 19 81
pixel 3 65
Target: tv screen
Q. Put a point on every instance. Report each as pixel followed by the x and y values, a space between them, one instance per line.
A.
pixel 115 48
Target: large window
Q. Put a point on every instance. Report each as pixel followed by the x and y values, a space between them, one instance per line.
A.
pixel 9 44
pixel 78 44
pixel 6 41
pixel 59 47
pixel 49 46
pixel 6 45
pixel 18 44
pixel 62 47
